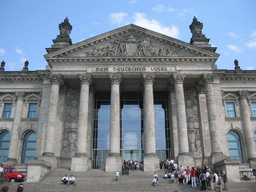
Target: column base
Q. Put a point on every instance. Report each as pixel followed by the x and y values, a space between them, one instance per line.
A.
pixel 151 162
pixel 185 159
pixel 252 163
pixel 80 162
pixel 216 157
pixel 49 158
pixel 113 162
pixel 37 169
pixel 11 162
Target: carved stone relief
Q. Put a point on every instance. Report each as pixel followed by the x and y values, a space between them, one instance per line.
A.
pixel 191 99
pixel 71 123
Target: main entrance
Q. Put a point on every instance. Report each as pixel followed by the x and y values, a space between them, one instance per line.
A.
pixel 131 130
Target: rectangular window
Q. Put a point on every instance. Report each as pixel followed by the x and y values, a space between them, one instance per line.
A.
pixel 230 109
pixel 32 110
pixel 254 109
pixel 7 110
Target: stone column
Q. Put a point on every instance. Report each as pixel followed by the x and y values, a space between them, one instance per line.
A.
pixel 48 154
pixel 43 115
pixel 151 160
pixel 113 161
pixel 217 154
pixel 247 128
pixel 14 143
pixel 80 161
pixel 184 157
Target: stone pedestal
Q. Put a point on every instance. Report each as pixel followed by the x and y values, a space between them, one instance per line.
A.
pixel 37 169
pixel 80 163
pixel 185 159
pixel 50 159
pixel 231 167
pixel 113 163
pixel 252 163
pixel 151 163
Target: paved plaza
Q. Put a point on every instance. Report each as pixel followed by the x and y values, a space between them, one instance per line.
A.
pixel 98 180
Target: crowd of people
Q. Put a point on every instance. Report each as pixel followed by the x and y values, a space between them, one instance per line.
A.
pixel 202 177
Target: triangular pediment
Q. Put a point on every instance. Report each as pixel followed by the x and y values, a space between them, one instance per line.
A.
pixel 131 41
pixel 230 96
pixel 32 97
pixel 8 97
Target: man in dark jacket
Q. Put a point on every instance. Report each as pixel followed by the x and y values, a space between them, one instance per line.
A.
pixel 225 180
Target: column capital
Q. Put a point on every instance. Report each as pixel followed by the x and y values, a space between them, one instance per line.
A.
pixel 243 94
pixel 179 78
pixel 85 79
pixel 115 78
pixel 56 79
pixel 20 95
pixel 208 78
pixel 148 78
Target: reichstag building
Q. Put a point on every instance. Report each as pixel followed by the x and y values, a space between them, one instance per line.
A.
pixel 130 93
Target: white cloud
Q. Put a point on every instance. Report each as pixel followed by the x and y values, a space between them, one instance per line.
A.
pixel 154 25
pixel 250 68
pixel 118 17
pixel 10 66
pixel 19 51
pixel 2 52
pixel 232 35
pixel 251 44
pixel 234 48
pixel 183 12
pixel 133 1
pixel 158 8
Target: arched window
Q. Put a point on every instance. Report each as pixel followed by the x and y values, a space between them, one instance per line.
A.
pixel 234 146
pixel 4 145
pixel 29 147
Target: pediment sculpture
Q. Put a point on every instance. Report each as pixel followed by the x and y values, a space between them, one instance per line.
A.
pixel 129 47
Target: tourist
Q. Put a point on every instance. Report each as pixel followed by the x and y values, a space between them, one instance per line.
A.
pixel 187 174
pixel 165 175
pixel 117 175
pixel 155 176
pixel 5 189
pixel 225 180
pixel 20 187
pixel 72 180
pixel 203 180
pixel 64 179
pixel 1 171
pixel 176 176
pixel 155 183
pixel 193 177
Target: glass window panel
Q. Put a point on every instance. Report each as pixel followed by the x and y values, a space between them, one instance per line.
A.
pixel 160 127
pixel 32 111
pixel 29 147
pixel 254 109
pixel 4 146
pixel 7 110
pixel 230 109
pixel 234 145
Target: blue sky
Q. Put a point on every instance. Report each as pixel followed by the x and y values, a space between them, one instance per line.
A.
pixel 28 26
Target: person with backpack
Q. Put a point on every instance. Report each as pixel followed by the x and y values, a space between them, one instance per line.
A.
pixel 193 177
pixel 203 180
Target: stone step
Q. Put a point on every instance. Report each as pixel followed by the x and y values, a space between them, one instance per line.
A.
pixel 244 166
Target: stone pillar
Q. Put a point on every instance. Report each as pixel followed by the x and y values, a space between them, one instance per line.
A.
pixel 114 161
pixel 217 154
pixel 151 160
pixel 48 154
pixel 173 122
pixel 14 143
pixel 247 128
pixel 43 115
pixel 184 157
pixel 81 160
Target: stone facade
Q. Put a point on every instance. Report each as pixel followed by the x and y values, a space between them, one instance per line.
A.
pixel 129 59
